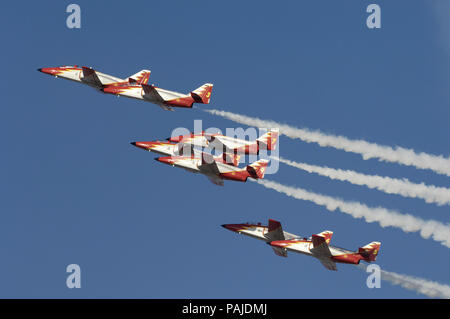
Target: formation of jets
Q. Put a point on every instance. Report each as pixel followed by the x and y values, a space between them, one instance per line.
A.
pixel 136 86
pixel 229 144
pixel 180 152
pixel 183 151
pixel 316 246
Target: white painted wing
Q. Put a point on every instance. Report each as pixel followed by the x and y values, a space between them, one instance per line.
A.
pixel 229 142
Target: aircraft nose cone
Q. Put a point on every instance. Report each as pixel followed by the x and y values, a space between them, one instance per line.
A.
pixel 226 226
pixel 166 160
pixel 144 145
pixel 232 227
pixel 51 71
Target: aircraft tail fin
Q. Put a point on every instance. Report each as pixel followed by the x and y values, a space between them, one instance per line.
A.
pixel 140 78
pixel 369 252
pixel 326 234
pixel 268 141
pixel 257 169
pixel 202 94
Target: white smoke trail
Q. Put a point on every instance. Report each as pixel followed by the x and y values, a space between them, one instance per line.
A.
pixel 400 155
pixel 427 228
pixel 403 187
pixel 428 288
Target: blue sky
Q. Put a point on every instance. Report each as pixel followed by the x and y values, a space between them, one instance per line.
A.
pixel 75 191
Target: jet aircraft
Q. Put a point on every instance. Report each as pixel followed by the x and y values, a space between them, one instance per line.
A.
pixel 93 78
pixel 136 86
pixel 216 169
pixel 316 246
pixel 227 144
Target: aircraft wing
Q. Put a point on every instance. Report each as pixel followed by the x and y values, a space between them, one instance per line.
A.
pixel 196 140
pixel 91 78
pixel 185 149
pixel 279 251
pixel 227 142
pixel 215 180
pixel 151 93
pixel 322 252
pixel 165 107
pixel 209 165
pixel 210 169
pixel 275 231
pixel 191 139
pixel 328 264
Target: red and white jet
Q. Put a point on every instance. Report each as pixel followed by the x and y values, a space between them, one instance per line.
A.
pixel 227 144
pixel 93 78
pixel 136 86
pixel 317 245
pixel 216 169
